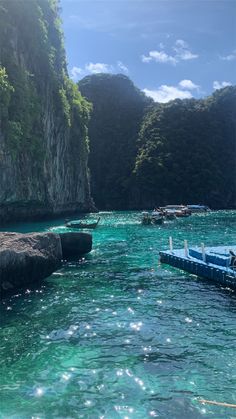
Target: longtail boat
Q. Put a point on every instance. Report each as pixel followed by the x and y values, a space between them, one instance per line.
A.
pixel 75 224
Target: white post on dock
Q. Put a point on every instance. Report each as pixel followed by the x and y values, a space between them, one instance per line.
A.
pixel 171 244
pixel 203 252
pixel 186 248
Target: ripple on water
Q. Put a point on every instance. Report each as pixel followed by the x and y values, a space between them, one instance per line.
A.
pixel 116 335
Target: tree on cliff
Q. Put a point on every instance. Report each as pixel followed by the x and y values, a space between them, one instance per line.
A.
pixel 141 156
pixel 118 109
pixel 43 120
pixel 187 152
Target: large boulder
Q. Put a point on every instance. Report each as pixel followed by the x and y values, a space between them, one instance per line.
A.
pixel 27 258
pixel 75 244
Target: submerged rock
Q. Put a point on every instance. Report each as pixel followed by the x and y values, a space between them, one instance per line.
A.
pixel 27 258
pixel 74 244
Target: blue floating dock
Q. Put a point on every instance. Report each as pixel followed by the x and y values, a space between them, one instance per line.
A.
pixel 213 265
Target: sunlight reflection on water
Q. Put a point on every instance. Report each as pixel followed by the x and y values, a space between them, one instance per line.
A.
pixel 118 335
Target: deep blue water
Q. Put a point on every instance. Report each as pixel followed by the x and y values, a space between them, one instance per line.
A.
pixel 117 335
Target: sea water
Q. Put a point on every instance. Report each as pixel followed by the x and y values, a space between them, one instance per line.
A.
pixel 117 335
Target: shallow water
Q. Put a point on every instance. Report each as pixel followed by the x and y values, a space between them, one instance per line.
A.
pixel 116 335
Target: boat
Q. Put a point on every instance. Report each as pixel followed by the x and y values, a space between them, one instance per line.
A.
pixel 177 210
pixel 182 213
pixel 155 218
pixel 169 214
pixel 146 219
pixel 198 208
pixel 75 224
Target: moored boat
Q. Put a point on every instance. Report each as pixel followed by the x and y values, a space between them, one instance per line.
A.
pixel 170 214
pixel 146 219
pixel 177 210
pixel 155 218
pixel 75 224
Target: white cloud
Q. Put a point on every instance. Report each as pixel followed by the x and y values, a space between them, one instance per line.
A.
pixel 188 84
pixel 122 67
pixel 180 43
pixel 95 68
pixel 146 59
pixel 159 57
pixel 182 53
pixel 229 57
pixel 186 55
pixel 75 73
pixel 166 93
pixel 220 84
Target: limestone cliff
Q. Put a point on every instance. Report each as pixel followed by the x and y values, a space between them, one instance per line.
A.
pixel 43 117
pixel 118 109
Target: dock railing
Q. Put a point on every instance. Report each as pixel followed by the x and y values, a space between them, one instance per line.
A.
pixel 214 263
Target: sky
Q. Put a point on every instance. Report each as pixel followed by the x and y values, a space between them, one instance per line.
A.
pixel 169 49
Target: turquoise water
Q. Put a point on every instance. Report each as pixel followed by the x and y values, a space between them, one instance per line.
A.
pixel 116 335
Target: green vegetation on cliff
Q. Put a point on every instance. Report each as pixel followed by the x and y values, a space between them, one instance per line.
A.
pixel 188 152
pixel 145 154
pixel 34 29
pixel 43 117
pixel 118 109
pixel 5 91
pixel 141 153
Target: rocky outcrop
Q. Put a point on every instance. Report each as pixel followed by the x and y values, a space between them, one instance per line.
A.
pixel 71 242
pixel 29 258
pixel 43 117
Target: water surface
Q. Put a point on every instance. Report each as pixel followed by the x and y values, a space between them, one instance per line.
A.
pixel 117 335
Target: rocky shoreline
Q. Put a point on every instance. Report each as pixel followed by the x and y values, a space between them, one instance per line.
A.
pixel 34 211
pixel 29 258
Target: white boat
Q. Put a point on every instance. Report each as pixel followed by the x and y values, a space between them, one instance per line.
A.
pixel 177 210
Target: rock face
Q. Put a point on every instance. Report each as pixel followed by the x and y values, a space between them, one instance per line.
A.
pixel 118 109
pixel 43 117
pixel 71 243
pixel 27 258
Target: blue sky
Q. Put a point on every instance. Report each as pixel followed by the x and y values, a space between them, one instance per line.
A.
pixel 181 48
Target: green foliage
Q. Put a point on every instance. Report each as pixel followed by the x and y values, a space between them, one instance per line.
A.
pixel 33 73
pixel 141 154
pixel 14 137
pixel 187 152
pixel 5 92
pixel 145 154
pixel 78 103
pixel 118 108
pixel 76 110
pixel 66 108
pixel 23 129
pixel 81 110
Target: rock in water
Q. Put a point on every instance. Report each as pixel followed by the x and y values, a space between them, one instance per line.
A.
pixel 74 244
pixel 27 258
